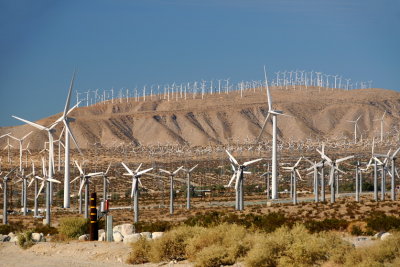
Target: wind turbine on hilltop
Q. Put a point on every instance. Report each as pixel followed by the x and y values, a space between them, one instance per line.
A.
pixel 382 122
pixel 274 114
pixel 355 128
pixel 135 187
pixel 393 173
pixel 8 145
pixel 238 171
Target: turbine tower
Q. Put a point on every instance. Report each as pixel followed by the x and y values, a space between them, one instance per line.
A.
pixel 135 187
pixel 355 128
pixel 275 114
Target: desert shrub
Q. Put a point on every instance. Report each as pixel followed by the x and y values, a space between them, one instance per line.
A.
pixel 296 247
pixel 231 239
pixel 383 253
pixel 140 252
pixel 268 222
pixel 356 230
pixel 157 226
pixel 326 225
pixel 172 245
pixel 73 226
pixel 15 226
pixel 379 221
pixel 45 229
pixel 25 240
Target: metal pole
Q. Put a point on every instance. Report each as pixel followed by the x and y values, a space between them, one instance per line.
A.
pixel 188 191
pixel 35 203
pixel 242 191
pixel 86 198
pixel 104 189
pixel 316 185
pixel 80 197
pixel 25 197
pixel 274 159
pixel 294 192
pixel 393 185
pixel 171 195
pixel 357 185
pixel 375 182
pixel 383 186
pixel 333 187
pixel 323 199
pixel 5 215
pixel 67 201
pixel 94 227
pixel 136 203
pixel 48 203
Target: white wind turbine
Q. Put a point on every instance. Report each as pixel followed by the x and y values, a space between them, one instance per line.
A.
pixel 188 186
pixel 293 181
pixel 20 141
pixel 85 180
pixel 275 114
pixel 106 181
pixel 135 187
pixel 382 122
pixel 171 193
pixel 5 200
pixel 314 167
pixel 334 168
pixel 393 172
pixel 46 179
pixel 34 180
pixel 238 171
pixel 8 145
pixel 355 128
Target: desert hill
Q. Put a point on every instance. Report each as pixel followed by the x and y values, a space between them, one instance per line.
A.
pixel 219 119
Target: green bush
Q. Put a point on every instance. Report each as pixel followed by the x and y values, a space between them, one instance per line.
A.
pixel 73 227
pixel 326 225
pixel 140 252
pixel 16 226
pixel 172 245
pixel 157 226
pixel 25 240
pixel 45 229
pixel 379 221
pixel 296 247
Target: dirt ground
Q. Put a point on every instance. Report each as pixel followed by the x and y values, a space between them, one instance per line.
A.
pixel 77 254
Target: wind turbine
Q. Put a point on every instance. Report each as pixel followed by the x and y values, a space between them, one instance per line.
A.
pixel 275 114
pixel 135 187
pixel 392 158
pixel 188 186
pixel 334 168
pixel 20 141
pixel 171 193
pixel 355 128
pixel 315 166
pixel 8 145
pixel 382 122
pixel 293 171
pixel 46 179
pixel 267 176
pixel 5 207
pixel 238 171
pixel 34 181
pixel 23 179
pixel 106 181
pixel 85 182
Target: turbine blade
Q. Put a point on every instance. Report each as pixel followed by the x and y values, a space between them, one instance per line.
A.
pixel 343 159
pixel 126 167
pixel 143 172
pixel 231 180
pixel 76 178
pixel 72 136
pixel 232 158
pixel 79 168
pixel 138 168
pixel 80 188
pixel 251 162
pixel 71 85
pixel 263 128
pixel 40 127
pixel 198 164
pixel 40 189
pixel 177 170
pixel 167 172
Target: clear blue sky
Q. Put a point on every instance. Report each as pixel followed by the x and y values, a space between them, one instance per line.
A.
pixel 123 43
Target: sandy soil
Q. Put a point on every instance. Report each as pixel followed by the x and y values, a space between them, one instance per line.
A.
pixel 79 254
